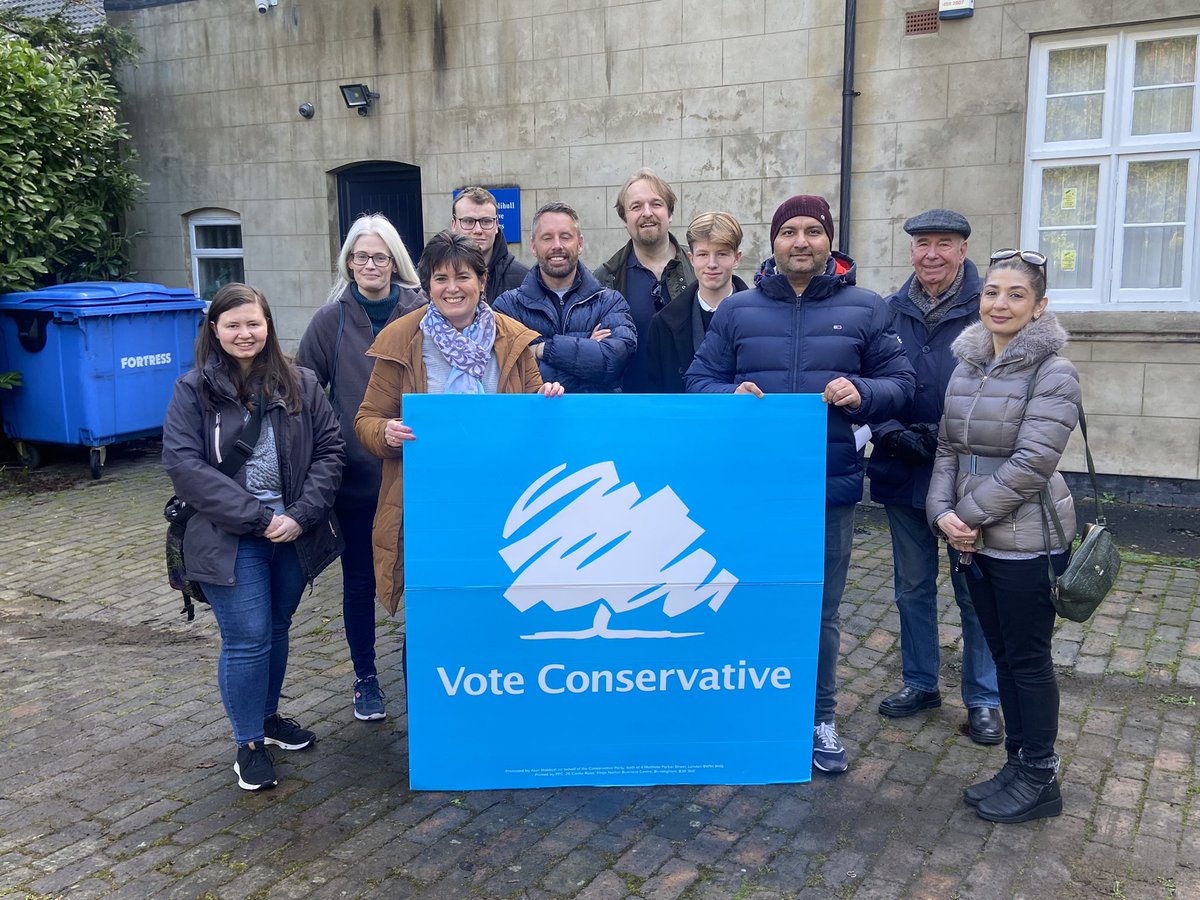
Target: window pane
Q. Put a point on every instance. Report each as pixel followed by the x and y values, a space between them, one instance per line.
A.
pixel 1153 257
pixel 1155 213
pixel 218 237
pixel 1076 69
pixel 216 273
pixel 1168 68
pixel 1070 255
pixel 1162 111
pixel 1078 118
pixel 1069 196
pixel 1156 192
pixel 1165 61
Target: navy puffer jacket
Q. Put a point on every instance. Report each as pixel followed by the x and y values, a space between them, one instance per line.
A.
pixel 789 344
pixel 900 481
pixel 571 357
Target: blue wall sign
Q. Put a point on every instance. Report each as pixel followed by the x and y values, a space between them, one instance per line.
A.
pixel 612 590
pixel 508 211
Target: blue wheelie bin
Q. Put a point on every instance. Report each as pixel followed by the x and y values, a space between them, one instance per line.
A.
pixel 98 363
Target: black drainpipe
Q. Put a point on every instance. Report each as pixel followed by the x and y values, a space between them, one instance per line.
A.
pixel 848 95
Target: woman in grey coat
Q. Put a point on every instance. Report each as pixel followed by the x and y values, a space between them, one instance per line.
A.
pixel 1011 405
pixel 376 284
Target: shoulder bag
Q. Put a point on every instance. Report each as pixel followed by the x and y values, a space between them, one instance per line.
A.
pixel 1095 562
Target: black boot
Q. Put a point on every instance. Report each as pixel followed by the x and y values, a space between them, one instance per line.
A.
pixel 1032 794
pixel 998 782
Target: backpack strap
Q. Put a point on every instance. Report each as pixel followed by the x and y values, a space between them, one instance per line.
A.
pixel 247 440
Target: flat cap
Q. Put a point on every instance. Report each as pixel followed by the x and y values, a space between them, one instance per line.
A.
pixel 942 221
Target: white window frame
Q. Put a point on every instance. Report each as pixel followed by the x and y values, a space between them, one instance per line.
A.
pixel 1113 150
pixel 198 253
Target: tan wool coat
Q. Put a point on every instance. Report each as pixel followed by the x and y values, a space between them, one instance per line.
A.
pixel 399 370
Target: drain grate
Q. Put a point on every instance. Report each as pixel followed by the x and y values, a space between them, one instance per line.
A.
pixel 922 21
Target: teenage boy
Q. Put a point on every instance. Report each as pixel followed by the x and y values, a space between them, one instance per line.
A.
pixel 714 242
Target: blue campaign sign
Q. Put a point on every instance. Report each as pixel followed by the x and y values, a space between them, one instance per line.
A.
pixel 612 589
pixel 508 212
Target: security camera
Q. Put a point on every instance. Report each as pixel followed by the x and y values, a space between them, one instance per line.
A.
pixel 261 6
pixel 307 110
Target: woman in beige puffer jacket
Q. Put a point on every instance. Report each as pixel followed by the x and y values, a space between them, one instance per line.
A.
pixel 998 448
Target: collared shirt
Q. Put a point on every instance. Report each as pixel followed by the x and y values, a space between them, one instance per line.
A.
pixel 645 295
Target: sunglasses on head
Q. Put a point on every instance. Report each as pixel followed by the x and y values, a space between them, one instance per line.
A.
pixel 1030 256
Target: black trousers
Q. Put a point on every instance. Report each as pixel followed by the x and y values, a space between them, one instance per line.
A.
pixel 1012 599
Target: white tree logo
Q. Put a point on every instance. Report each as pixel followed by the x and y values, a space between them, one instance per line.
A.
pixel 595 541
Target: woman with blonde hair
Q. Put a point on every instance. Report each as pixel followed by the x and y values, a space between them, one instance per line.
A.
pixel 375 284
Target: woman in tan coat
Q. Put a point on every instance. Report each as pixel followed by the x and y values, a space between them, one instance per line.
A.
pixel 454 345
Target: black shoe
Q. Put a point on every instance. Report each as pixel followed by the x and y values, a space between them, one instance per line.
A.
pixel 984 725
pixel 907 701
pixel 998 782
pixel 1032 794
pixel 286 733
pixel 254 768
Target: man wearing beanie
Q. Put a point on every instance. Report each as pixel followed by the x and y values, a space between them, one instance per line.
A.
pixel 806 328
pixel 935 304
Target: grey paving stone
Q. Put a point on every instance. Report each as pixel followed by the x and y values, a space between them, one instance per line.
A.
pixel 129 791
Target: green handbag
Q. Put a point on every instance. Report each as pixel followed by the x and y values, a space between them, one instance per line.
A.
pixel 1095 562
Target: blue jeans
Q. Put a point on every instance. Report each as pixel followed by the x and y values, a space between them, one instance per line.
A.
pixel 839 541
pixel 254 616
pixel 358 586
pixel 915 555
pixel 1013 599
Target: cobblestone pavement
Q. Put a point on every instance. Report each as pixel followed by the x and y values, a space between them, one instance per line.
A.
pixel 115 773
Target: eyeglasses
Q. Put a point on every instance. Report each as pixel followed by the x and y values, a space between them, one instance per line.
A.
pixel 361 259
pixel 487 223
pixel 1030 256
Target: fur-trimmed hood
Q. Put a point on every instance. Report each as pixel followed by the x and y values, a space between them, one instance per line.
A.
pixel 1040 338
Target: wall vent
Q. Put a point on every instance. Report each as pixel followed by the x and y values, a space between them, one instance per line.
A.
pixel 921 21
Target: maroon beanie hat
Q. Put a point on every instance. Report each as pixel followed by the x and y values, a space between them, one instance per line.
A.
pixel 802 205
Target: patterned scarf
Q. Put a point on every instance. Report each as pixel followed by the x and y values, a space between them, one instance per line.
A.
pixel 467 351
pixel 934 309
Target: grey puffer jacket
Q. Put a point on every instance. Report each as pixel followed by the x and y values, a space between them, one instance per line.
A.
pixel 987 416
pixel 203 422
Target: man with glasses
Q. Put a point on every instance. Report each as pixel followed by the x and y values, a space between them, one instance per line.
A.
pixel 474 213
pixel 651 269
pixel 935 304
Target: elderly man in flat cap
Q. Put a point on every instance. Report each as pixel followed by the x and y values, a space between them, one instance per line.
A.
pixel 935 304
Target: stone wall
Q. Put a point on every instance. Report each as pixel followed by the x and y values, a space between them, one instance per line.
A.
pixel 736 102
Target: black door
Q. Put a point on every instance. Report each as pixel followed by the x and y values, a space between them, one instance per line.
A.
pixel 390 188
